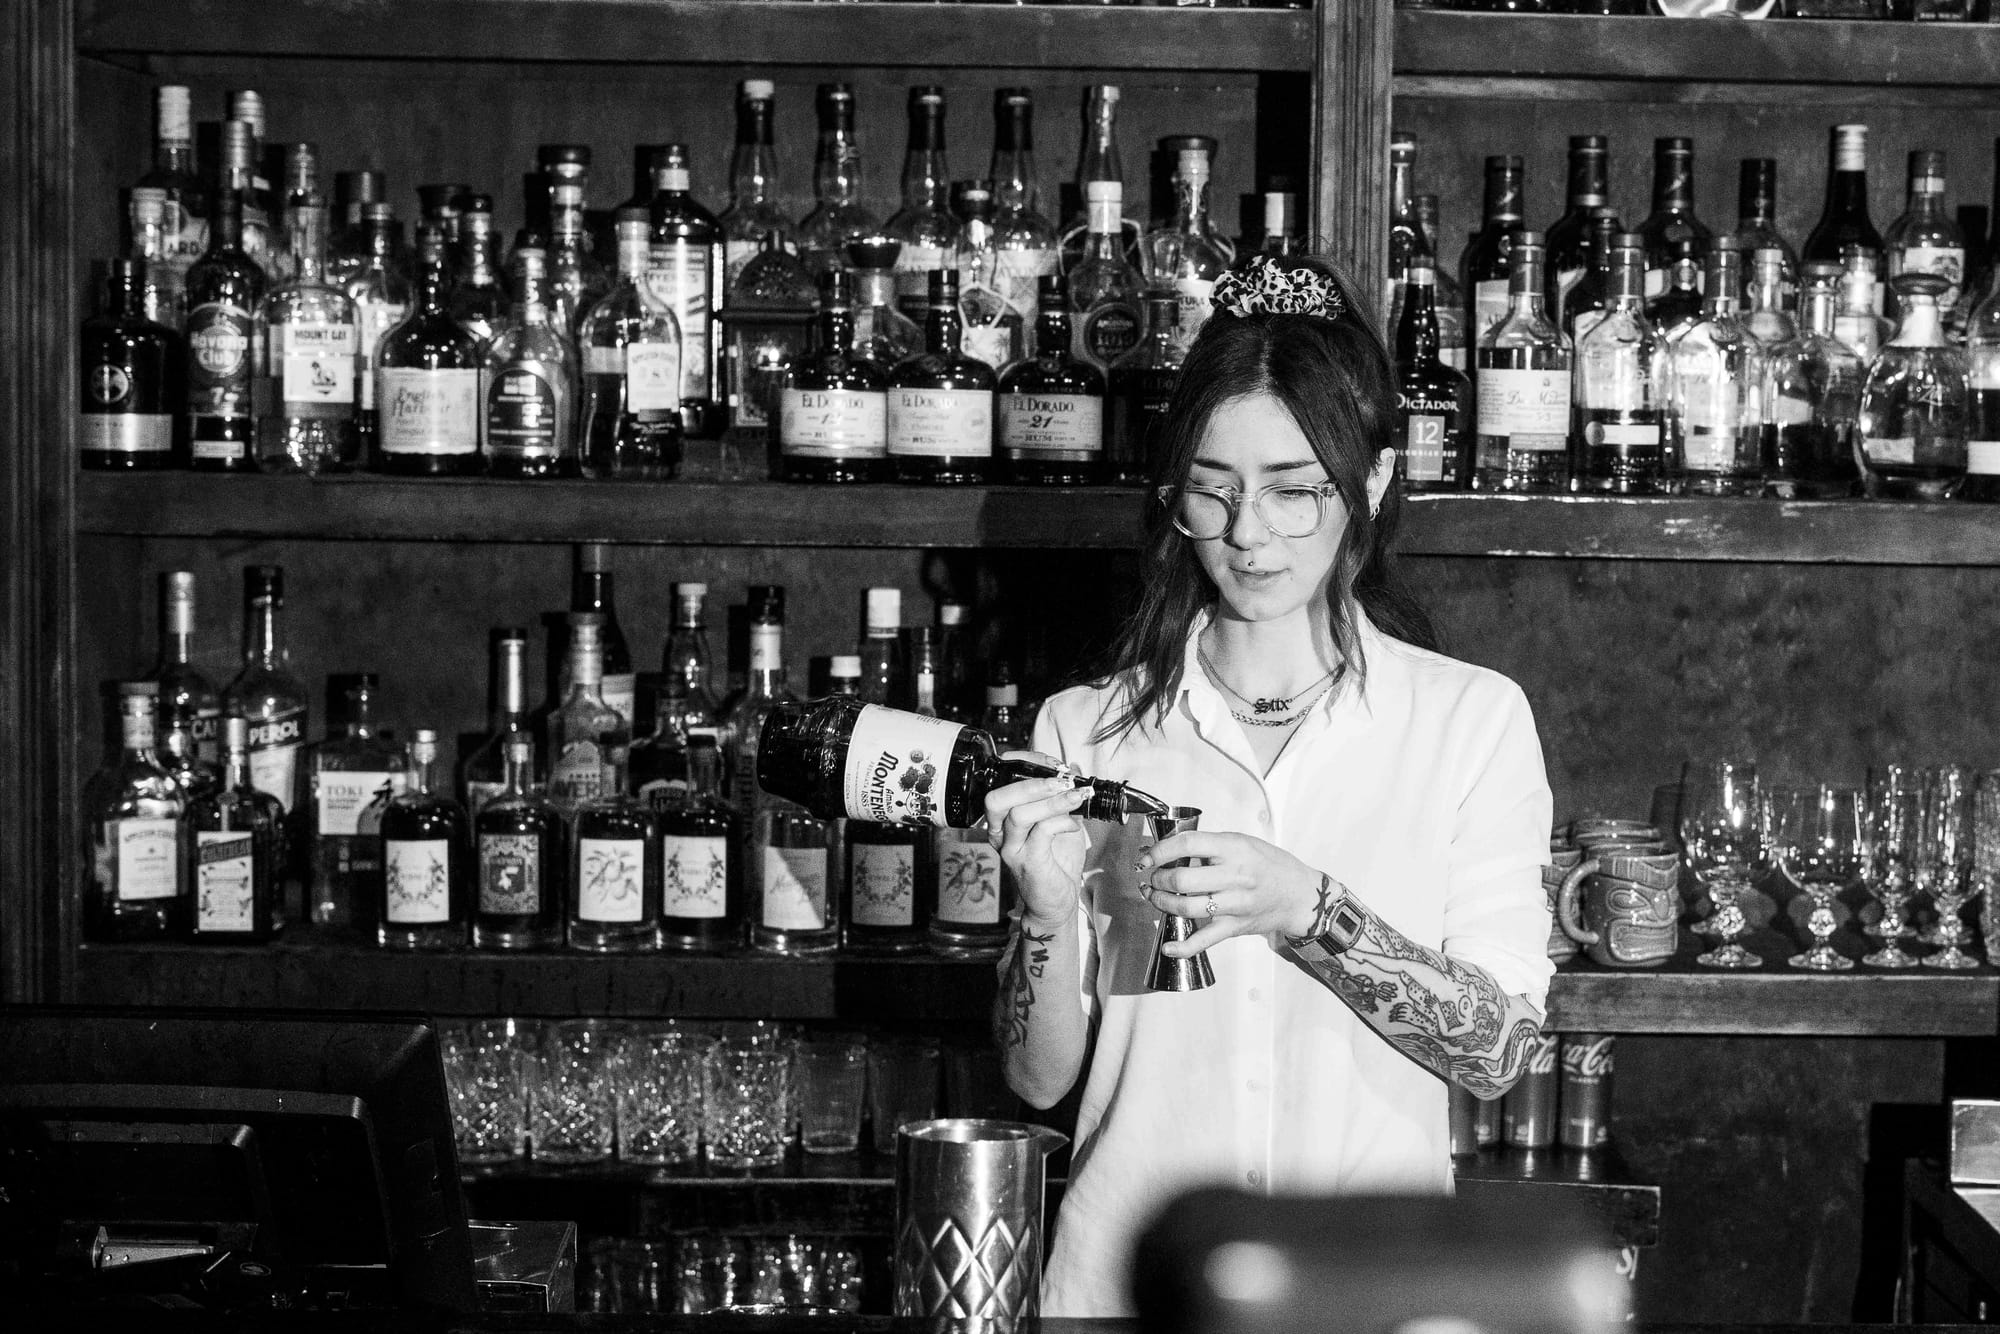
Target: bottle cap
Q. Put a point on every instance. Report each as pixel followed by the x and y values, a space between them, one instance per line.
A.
pixel 1102 192
pixel 235 732
pixel 759 90
pixel 593 557
pixel 247 105
pixel 174 102
pixel 702 736
pixel 237 138
pixel 266 581
pixel 953 613
pixel 884 608
pixel 844 667
pixel 139 689
pixel 1192 164
pixel 423 745
pixel 1588 143
pixel 520 747
pixel 1767 257
pixel 378 211
pixel 1005 696
pixel 1401 145
pixel 554 158
pixel 926 95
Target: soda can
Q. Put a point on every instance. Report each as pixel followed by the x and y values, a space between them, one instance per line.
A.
pixel 1586 1090
pixel 1464 1122
pixel 1530 1115
pixel 1487 1128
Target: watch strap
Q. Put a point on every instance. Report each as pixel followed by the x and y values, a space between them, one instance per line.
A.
pixel 1339 921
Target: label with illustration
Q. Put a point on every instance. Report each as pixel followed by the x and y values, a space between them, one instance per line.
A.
pixel 418 871
pixel 610 879
pixel 695 876
pixel 896 766
pixel 510 874
pixel 968 879
pixel 224 888
pixel 881 884
pixel 219 365
pixel 314 367
pixel 794 896
pixel 341 796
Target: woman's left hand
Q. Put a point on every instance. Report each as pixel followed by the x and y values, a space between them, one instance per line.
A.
pixel 1243 887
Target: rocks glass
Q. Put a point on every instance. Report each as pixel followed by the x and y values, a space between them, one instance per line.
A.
pixel 746 1101
pixel 575 1116
pixel 486 1066
pixel 659 1095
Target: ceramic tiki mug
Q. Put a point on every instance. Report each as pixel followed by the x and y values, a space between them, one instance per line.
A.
pixel 1623 906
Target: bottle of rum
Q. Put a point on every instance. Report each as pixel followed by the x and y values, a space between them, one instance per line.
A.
pixel 1621 384
pixel 702 894
pixel 483 773
pixel 174 173
pixel 882 332
pixel 1523 384
pixel 1844 220
pixel 130 382
pixel 940 417
pixel 309 365
pixel 1673 219
pixel 1450 297
pixel 478 303
pixel 1590 295
pixel 1982 446
pixel 1433 401
pixel 426 860
pixel 838 215
pixel 1407 242
pixel 1716 375
pixel 242 151
pixel 427 389
pixel 163 297
pixel 225 290
pixel 1105 291
pixel 924 226
pixel 833 411
pixel 632 348
pixel 1757 224
pixel 1182 258
pixel 1024 241
pixel 1569 235
pixel 522 842
pixel 355 773
pixel 588 739
pixel 380 290
pixel 135 833
pixel 187 698
pixel 1915 403
pixel 1052 404
pixel 1811 397
pixel 753 183
pixel 238 839
pixel 684 274
pixel 956 644
pixel 1139 388
pixel 1098 162
pixel 576 278
pixel 1925 239
pixel 1488 260
pixel 266 695
pixel 530 384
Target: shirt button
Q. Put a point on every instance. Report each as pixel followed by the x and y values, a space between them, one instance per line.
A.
pixel 1254 1178
pixel 1255 1085
pixel 1263 817
pixel 1255 994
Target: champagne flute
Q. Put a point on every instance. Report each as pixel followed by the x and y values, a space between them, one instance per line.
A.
pixel 1720 819
pixel 1817 836
pixel 1986 855
pixel 1947 860
pixel 1895 844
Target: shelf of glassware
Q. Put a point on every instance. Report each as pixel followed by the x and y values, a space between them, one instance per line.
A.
pixel 714 32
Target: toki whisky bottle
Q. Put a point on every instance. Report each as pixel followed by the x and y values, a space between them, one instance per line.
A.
pixel 187 698
pixel 426 860
pixel 1140 386
pixel 1523 385
pixel 701 891
pixel 833 409
pixel 521 842
pixel 940 416
pixel 427 389
pixel 225 292
pixel 237 841
pixel 530 410
pixel 1433 401
pixel 354 775
pixel 1051 405
pixel 129 381
pixel 632 348
pixel 135 833
pixel 684 274
pixel 1621 384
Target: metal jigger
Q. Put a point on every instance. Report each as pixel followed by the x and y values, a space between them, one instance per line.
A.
pixel 1167 972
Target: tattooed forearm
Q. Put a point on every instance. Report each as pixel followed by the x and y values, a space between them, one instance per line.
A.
pixel 1447 1016
pixel 1027 959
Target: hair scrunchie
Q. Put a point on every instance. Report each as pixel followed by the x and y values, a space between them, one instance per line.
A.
pixel 1264 286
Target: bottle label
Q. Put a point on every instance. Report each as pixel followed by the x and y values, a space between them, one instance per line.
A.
pixel 219 365
pixel 1106 332
pixel 417 872
pixel 677 277
pixel 522 409
pixel 577 775
pixel 510 874
pixel 695 876
pixel 794 889
pixel 344 793
pixel 126 432
pixel 1982 458
pixel 373 319
pixel 621 691
pixel 653 378
pixel 219 450
pixel 1489 307
pixel 940 423
pixel 1622 435
pixel 990 343
pixel 428 412
pixel 149 858
pixel 610 879
pixel 968 885
pixel 274 755
pixel 881 884
pixel 914 266
pixel 1195 307
pixel 1896 449
pixel 833 423
pixel 1529 408
pixel 314 364
pixel 604 361
pixel 1424 435
pixel 1947 262
pixel 1052 423
pixel 224 893
pixel 896 767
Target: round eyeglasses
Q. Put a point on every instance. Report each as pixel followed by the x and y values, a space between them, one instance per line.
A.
pixel 1288 509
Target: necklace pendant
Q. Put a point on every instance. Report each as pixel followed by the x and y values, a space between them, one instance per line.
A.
pixel 1263 706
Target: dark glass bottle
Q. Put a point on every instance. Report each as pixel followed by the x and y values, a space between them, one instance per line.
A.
pixel 1569 236
pixel 1672 220
pixel 135 833
pixel 483 772
pixel 657 772
pixel 177 756
pixel 833 416
pixel 187 697
pixel 1587 298
pixel 1140 385
pixel 1433 401
pixel 268 695
pixel 174 174
pixel 955 640
pixel 1488 260
pixel 427 384
pixel 478 302
pixel 615 883
pixel 130 382
pixel 426 861
pixel 685 276
pixel 238 841
pixel 1757 221
pixel 531 375
pixel 591 590
pixel 225 288
pixel 1844 220
pixel 702 891
pixel 1675 310
pixel 880 909
pixel 940 418
pixel 684 660
pixel 919 686
pixel 1407 242
pixel 1051 405
pixel 522 843
pixel 355 772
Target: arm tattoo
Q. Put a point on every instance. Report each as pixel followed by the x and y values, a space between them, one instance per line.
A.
pixel 1026 959
pixel 1448 1016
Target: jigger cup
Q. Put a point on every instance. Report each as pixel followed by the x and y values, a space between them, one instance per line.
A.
pixel 1168 973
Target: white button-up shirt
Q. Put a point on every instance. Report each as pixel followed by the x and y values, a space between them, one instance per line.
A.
pixel 1420 787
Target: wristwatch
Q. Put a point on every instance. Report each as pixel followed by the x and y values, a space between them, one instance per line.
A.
pixel 1343 926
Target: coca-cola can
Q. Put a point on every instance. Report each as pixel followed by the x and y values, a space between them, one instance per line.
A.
pixel 1464 1122
pixel 1586 1090
pixel 1529 1120
pixel 1488 1128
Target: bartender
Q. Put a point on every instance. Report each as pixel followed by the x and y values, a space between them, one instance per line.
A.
pixel 1366 875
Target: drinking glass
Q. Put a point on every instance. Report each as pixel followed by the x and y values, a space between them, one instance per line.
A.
pixel 1817 840
pixel 746 1102
pixel 659 1094
pixel 486 1070
pixel 574 1116
pixel 1986 857
pixel 902 1087
pixel 1895 844
pixel 832 1076
pixel 1720 818
pixel 1947 861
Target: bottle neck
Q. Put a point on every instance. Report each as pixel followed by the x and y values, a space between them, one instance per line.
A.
pixel 262 645
pixel 1719 292
pixel 925 180
pixel 433 287
pixel 1586 181
pixel 306 236
pixel 586 672
pixel 1626 285
pixel 518 778
pixel 418 772
pixel 177 626
pixel 138 724
pixel 360 715
pixel 1417 329
pixel 874 287
pixel 1769 283
pixel 1921 326
pixel 1101 160
pixel 634 256
pixel 943 333
pixel 837 167
pixel 753 165
pixel 1847 194
pixel 1927 197
pixel 235 769
pixel 1052 336
pixel 1673 183
pixel 836 329
pixel 767 658
pixel 687 658
pixel 1524 285
pixel 1191 204
pixel 1818 306
pixel 705 772
pixel 1402 203
pixel 591 591
pixel 475 251
pixel 226 225
pixel 1503 197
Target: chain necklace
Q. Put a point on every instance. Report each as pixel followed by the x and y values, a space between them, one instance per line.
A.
pixel 1263 706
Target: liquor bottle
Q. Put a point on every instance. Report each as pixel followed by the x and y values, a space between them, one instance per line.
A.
pixel 163 298
pixel 764 690
pixel 483 772
pixel 176 750
pixel 994 329
pixel 1407 242
pixel 1811 397
pixel 685 658
pixel 381 295
pixel 522 844
pixel 753 183
pixel 1004 718
pixel 347 245
pixel 242 151
pixel 1717 374
pixel 426 860
pixel 591 591
pixel 1982 446
pixel 1757 225
pixel 1673 219
pixel 225 291
pixel 530 418
pixel 833 407
pixel 955 646
pixel 1139 387
pixel 882 332
pixel 920 683
pixel 427 389
pixel 615 876
pixel 1844 220
pixel 173 172
pixel 354 774
pixel 135 833
pixel 1915 403
pixel 1925 239
pixel 1024 241
pixel 1105 292
pixel 311 341
pixel 1098 162
pixel 924 225
pixel 446 204
pixel 838 215
pixel 1488 260
pixel 187 699
pixel 266 694
pixel 1589 296
pixel 880 909
pixel 237 839
pixel 1569 236
pixel 1675 311
pixel 1523 384
pixel 129 381
pixel 1433 401
pixel 940 417
pixel 701 905
pixel 1281 223
pixel 1764 318
pixel 301 176
pixel 478 303
pixel 684 274
pixel 632 347
pixel 588 739
pixel 1621 384
pixel 1858 320
pixel 1450 299
pixel 1051 406
pixel 1182 257
pixel 656 770
pixel 576 280
pixel 883 667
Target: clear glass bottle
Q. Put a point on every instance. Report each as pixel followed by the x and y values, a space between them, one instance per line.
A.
pixel 1812 395
pixel 576 278
pixel 1915 403
pixel 129 382
pixel 1522 381
pixel 1433 401
pixel 1098 162
pixel 1585 302
pixel 427 881
pixel 994 330
pixel 483 771
pixel 882 664
pixel 1051 406
pixel 838 215
pixel 1138 389
pixel 301 192
pixel 924 225
pixel 588 739
pixel 702 892
pixel 1857 320
pixel 173 172
pixel 355 773
pixel 246 108
pixel 1982 446
pixel 752 214
pixel 970 895
pixel 1105 292
pixel 592 590
pixel 940 417
pixel 833 410
pixel 163 297
pixel 1717 371
pixel 1676 310
pixel 880 909
pixel 1673 219
pixel 522 844
pixel 1181 257
pixel 1487 261
pixel 347 244
pixel 1764 317
pixel 616 876
pixel 882 332
pixel 1926 239
pixel 1568 237
pixel 225 295
pixel 187 697
pixel 530 419
pixel 176 750
pixel 685 657
pixel 478 302
pixel 1621 384
pixel 310 361
pixel 764 689
pixel 1025 244
pixel 427 388
pixel 1757 227
pixel 135 833
pixel 380 291
pixel 632 348
pixel 1450 298
pixel 267 695
pixel 237 840
pixel 684 274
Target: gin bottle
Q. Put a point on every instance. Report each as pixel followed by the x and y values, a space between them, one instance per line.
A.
pixel 702 895
pixel 588 739
pixel 135 833
pixel 428 380
pixel 753 183
pixel 1925 239
pixel 237 837
pixel 522 845
pixel 354 776
pixel 838 215
pixel 834 406
pixel 615 876
pixel 1621 364
pixel 309 365
pixel 632 383
pixel 1182 258
pixel 1523 386
pixel 1812 395
pixel 530 418
pixel 187 698
pixel 426 860
pixel 1717 371
pixel 1915 403
pixel 924 226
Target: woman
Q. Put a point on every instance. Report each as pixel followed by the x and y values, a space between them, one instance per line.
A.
pixel 1366 875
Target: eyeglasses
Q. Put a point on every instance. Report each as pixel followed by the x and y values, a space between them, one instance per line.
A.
pixel 1289 509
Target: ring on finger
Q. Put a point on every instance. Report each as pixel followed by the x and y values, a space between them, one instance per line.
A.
pixel 1211 905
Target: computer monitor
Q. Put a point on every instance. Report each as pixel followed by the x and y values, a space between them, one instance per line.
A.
pixel 312 1149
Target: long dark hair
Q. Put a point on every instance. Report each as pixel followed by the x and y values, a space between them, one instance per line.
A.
pixel 1334 377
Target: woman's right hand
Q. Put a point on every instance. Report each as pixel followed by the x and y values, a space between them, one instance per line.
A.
pixel 1041 841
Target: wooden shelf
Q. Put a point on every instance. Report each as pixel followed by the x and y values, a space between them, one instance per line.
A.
pixel 711 32
pixel 367 508
pixel 1775 1001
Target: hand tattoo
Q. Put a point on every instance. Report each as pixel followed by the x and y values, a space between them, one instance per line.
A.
pixel 1027 957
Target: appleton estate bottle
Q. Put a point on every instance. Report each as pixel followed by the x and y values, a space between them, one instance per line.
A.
pixel 839 757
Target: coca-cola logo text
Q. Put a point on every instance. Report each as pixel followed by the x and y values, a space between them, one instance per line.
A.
pixel 1587 1060
pixel 1542 1058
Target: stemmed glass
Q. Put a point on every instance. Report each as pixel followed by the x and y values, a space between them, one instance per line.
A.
pixel 1986 852
pixel 1720 819
pixel 1816 833
pixel 1895 846
pixel 1947 861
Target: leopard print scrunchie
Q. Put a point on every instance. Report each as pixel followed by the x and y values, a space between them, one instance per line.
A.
pixel 1266 287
